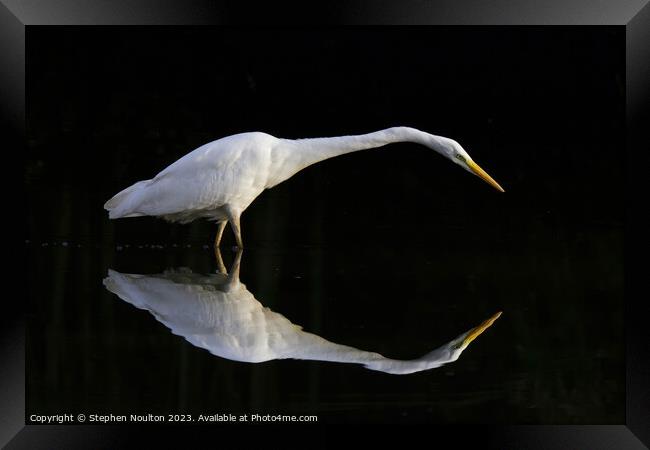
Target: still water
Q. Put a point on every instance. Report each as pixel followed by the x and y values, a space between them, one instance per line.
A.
pixel 202 342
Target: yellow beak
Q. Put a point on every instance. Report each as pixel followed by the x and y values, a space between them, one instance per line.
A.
pixel 476 332
pixel 483 175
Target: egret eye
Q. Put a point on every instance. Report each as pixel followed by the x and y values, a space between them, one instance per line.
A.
pixel 460 157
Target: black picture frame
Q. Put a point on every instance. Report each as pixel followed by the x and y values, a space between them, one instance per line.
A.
pixel 16 17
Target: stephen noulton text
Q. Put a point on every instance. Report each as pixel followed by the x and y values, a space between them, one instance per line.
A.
pixel 167 418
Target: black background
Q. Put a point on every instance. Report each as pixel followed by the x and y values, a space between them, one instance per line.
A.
pixel 396 249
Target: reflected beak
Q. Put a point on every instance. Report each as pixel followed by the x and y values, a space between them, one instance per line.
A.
pixel 482 174
pixel 476 332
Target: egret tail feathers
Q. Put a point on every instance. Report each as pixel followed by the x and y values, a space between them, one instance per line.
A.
pixel 123 285
pixel 120 205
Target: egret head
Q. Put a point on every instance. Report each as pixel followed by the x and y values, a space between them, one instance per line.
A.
pixel 454 151
pixel 458 345
pixel 464 340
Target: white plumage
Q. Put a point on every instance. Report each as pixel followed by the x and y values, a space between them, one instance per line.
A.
pixel 217 313
pixel 219 180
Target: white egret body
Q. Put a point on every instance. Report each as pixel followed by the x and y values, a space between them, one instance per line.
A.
pixel 217 313
pixel 219 180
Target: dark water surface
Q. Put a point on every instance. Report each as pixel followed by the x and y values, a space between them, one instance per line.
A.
pixel 394 250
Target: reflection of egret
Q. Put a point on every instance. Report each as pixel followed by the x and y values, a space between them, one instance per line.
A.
pixel 216 312
pixel 219 180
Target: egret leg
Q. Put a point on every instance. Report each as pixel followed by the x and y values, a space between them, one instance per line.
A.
pixel 232 280
pixel 237 230
pixel 220 265
pixel 217 240
pixel 233 276
pixel 232 215
pixel 233 219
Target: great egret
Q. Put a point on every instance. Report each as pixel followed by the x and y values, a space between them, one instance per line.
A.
pixel 217 313
pixel 219 180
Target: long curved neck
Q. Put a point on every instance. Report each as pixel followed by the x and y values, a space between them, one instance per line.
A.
pixel 319 149
pixel 293 155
